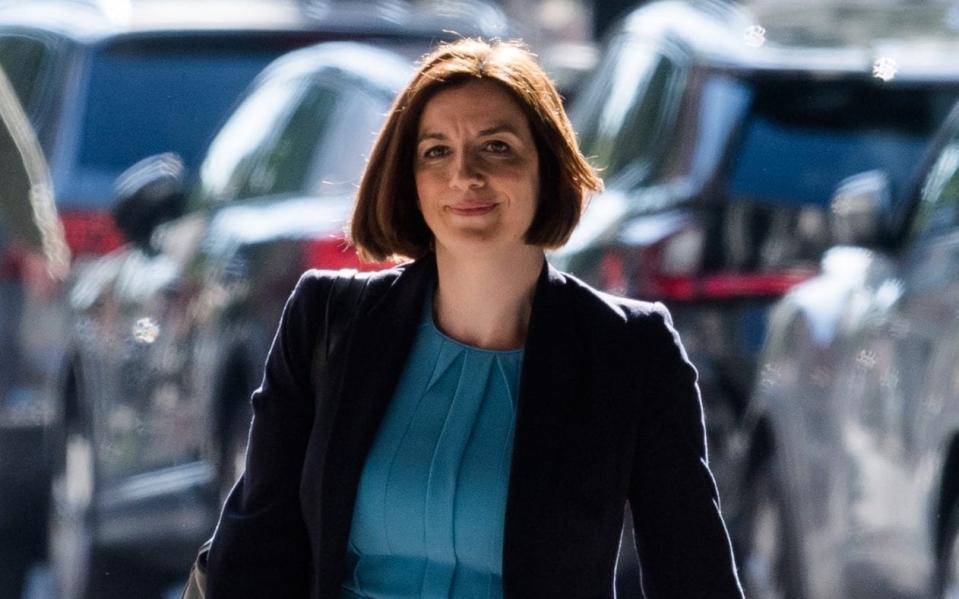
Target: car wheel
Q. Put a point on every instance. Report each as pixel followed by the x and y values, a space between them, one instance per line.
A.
pixel 948 569
pixel 768 553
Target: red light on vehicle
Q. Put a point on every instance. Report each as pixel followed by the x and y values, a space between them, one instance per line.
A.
pixel 90 232
pixel 673 288
pixel 751 284
pixel 670 267
pixel 724 286
pixel 334 253
pixel 612 272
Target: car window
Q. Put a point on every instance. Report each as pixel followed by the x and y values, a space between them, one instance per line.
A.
pixel 304 135
pixel 801 138
pixel 23 60
pixel 232 154
pixel 938 210
pixel 339 160
pixel 150 96
pixel 722 103
pixel 797 139
pixel 625 119
pixel 16 220
pixel 284 163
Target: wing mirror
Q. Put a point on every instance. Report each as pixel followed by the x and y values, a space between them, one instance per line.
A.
pixel 147 194
pixel 860 209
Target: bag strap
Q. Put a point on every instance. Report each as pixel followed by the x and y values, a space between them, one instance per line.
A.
pixel 346 293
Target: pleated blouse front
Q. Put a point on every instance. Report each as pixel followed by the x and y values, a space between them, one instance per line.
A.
pixel 430 509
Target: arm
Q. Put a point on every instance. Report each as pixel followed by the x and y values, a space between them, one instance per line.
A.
pixel 261 547
pixel 683 546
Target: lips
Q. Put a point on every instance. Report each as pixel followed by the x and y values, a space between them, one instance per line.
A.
pixel 472 208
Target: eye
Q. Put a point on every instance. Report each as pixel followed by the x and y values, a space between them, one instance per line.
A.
pixel 435 152
pixel 497 147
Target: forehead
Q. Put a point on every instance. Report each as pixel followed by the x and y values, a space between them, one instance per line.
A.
pixel 480 103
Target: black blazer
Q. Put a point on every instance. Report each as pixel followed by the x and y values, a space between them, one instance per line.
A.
pixel 608 411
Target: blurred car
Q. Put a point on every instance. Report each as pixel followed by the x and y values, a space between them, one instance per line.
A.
pixel 33 260
pixel 721 131
pixel 108 83
pixel 852 436
pixel 172 329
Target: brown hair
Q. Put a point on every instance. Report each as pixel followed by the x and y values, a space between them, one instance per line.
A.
pixel 386 220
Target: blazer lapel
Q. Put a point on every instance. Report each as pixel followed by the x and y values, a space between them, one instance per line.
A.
pixel 548 384
pixel 376 353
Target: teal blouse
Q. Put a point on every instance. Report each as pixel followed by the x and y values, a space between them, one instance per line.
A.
pixel 430 510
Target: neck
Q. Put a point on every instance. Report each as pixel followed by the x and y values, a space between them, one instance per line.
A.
pixel 486 302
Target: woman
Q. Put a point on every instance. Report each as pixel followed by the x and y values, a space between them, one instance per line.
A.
pixel 480 428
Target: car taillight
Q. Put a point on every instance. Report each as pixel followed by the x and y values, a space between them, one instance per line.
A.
pixel 10 264
pixel 720 286
pixel 334 253
pixel 671 269
pixel 39 273
pixel 90 232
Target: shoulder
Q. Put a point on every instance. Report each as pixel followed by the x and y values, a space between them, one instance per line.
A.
pixel 316 283
pixel 604 310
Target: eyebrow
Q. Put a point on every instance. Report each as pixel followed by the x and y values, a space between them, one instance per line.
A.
pixel 497 128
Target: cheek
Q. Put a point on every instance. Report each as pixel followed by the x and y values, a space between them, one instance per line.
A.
pixel 527 183
pixel 534 188
pixel 422 184
pixel 427 180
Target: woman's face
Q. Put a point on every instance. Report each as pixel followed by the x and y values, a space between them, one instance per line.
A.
pixel 476 169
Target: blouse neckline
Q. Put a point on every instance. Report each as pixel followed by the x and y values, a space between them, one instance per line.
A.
pixel 429 319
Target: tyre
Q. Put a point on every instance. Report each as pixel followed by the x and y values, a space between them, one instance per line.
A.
pixel 948 567
pixel 768 553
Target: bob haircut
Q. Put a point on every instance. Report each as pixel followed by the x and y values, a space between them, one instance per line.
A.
pixel 387 223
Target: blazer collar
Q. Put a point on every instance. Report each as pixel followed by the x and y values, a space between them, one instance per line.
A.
pixel 376 354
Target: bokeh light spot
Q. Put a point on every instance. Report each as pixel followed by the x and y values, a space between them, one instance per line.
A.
pixel 145 330
pixel 755 36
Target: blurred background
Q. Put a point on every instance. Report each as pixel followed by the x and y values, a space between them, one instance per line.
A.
pixel 784 175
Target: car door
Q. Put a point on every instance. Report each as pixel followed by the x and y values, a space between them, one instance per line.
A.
pixel 164 293
pixel 221 309
pixel 895 395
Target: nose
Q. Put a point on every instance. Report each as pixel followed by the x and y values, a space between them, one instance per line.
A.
pixel 466 173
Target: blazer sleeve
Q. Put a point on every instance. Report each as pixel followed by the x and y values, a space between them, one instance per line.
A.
pixel 260 547
pixel 684 549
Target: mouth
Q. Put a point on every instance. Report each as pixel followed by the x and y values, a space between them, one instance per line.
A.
pixel 472 208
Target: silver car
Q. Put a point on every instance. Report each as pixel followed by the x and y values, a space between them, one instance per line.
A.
pixel 852 437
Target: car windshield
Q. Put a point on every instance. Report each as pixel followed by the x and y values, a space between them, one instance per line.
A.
pixel 147 98
pixel 770 150
pixel 801 138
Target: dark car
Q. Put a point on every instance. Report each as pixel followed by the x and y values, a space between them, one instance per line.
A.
pixel 33 260
pixel 852 438
pixel 721 131
pixel 171 330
